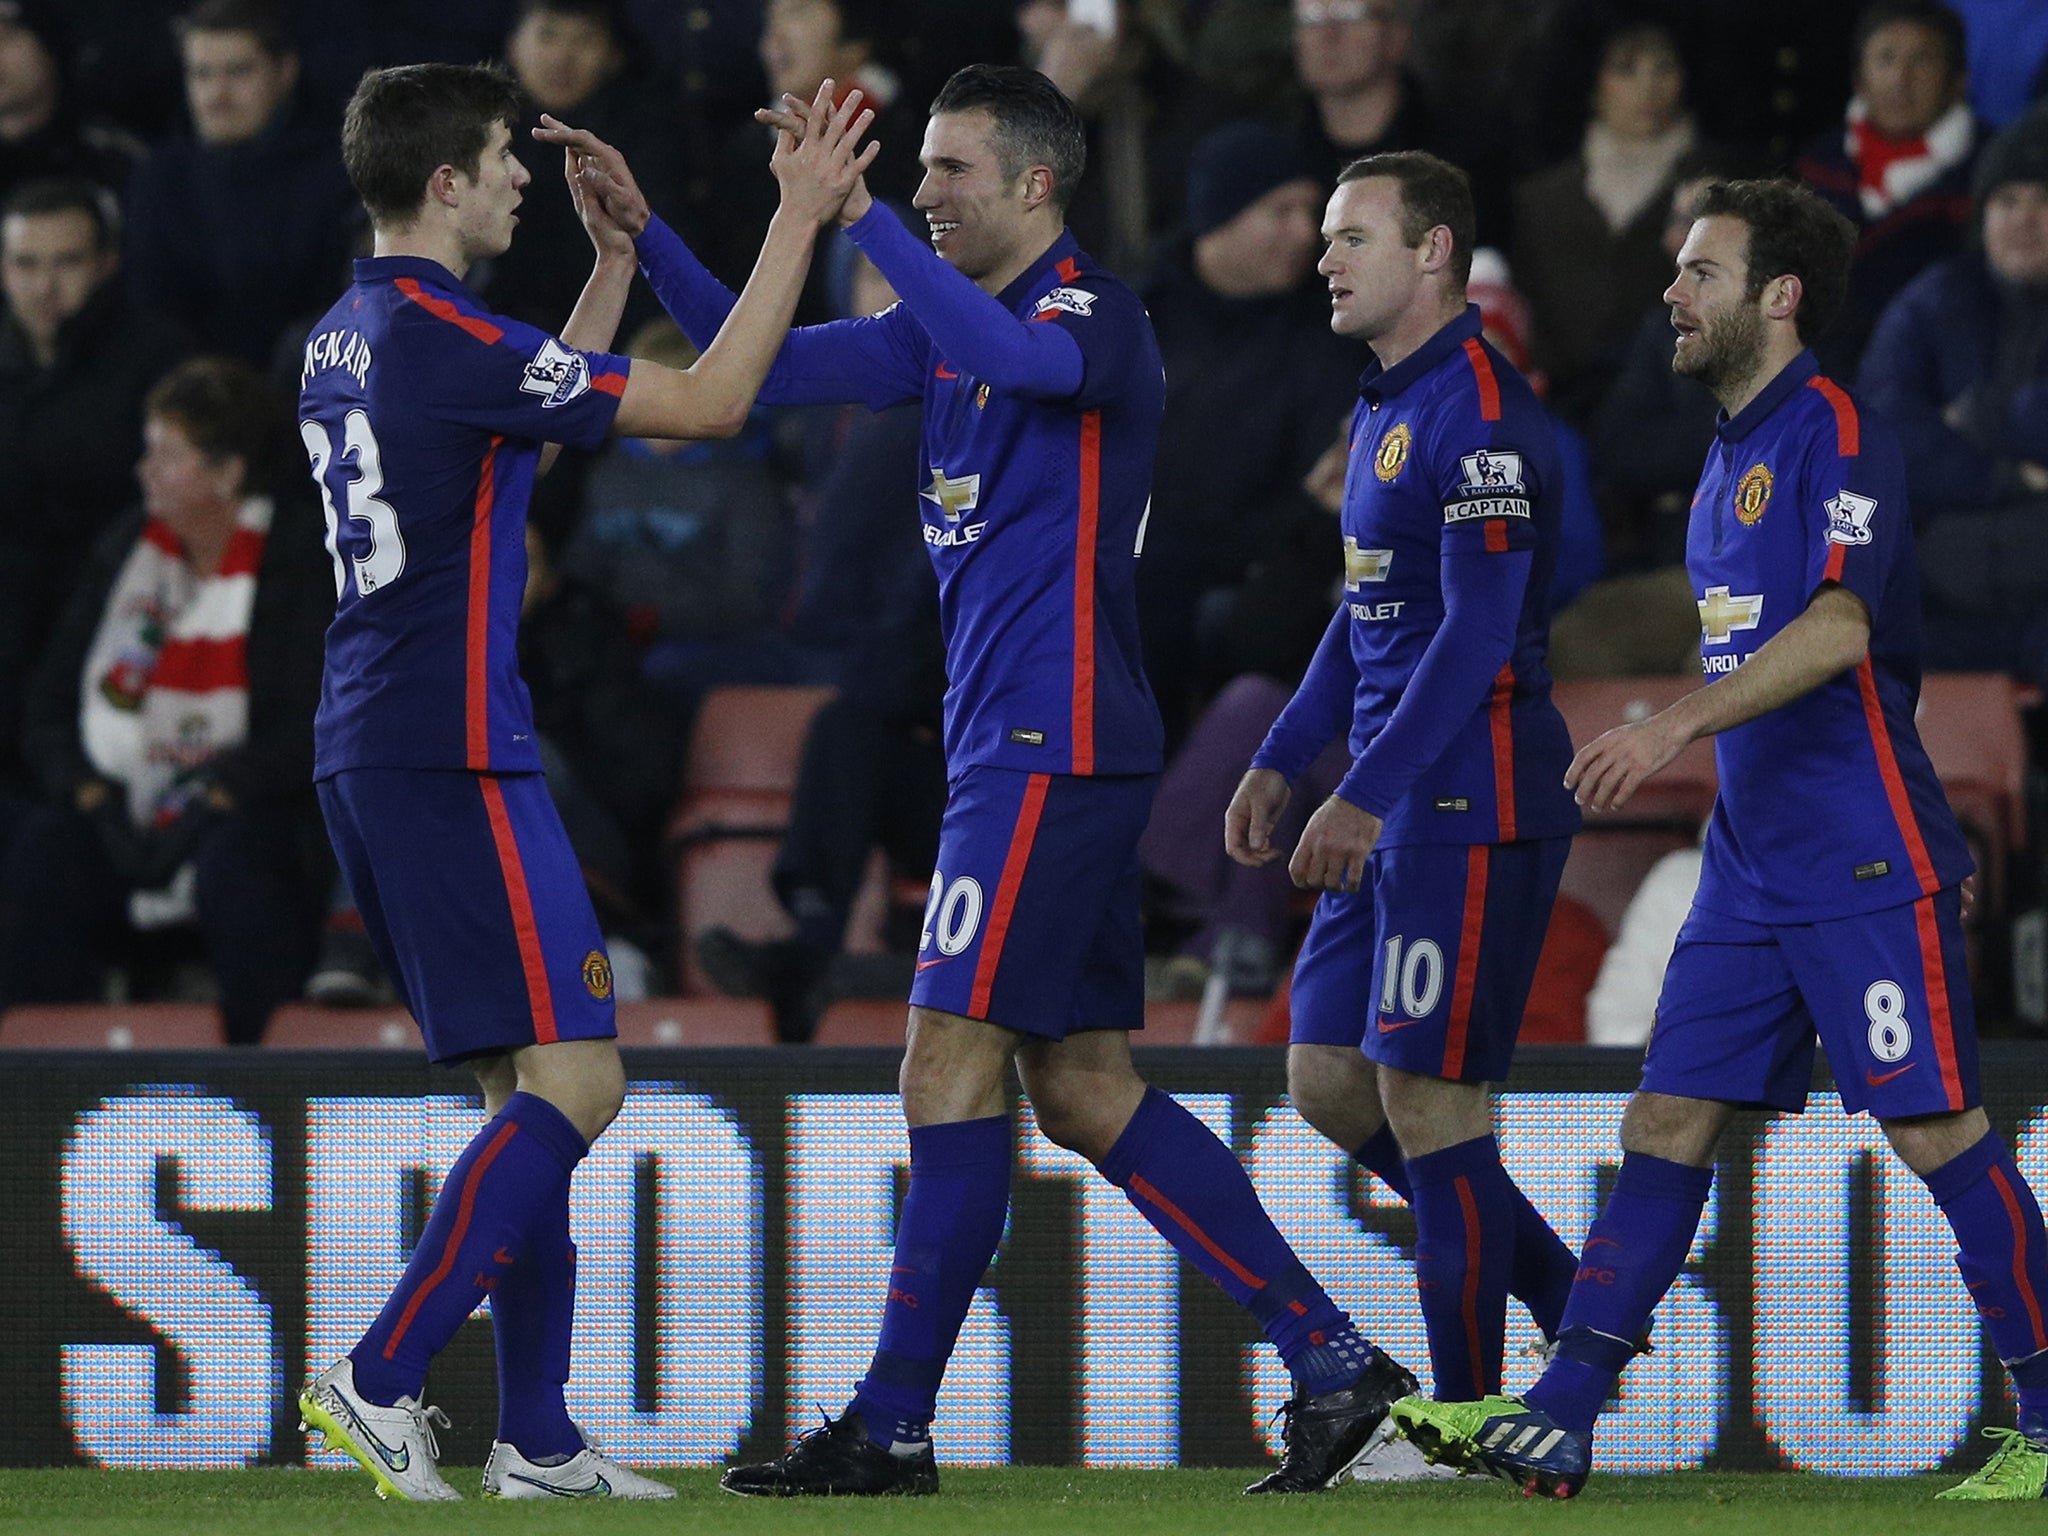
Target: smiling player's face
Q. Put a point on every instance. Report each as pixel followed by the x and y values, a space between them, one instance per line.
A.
pixel 490 199
pixel 976 214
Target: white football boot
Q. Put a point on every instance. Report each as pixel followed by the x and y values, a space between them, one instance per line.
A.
pixel 589 1474
pixel 394 1445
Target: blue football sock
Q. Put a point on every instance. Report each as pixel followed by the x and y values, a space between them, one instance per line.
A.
pixel 1195 1192
pixel 499 1184
pixel 952 1221
pixel 533 1312
pixel 1464 1247
pixel 1541 1272
pixel 2003 1254
pixel 1634 1251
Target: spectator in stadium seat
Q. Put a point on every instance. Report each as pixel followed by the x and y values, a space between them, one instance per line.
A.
pixel 575 60
pixel 1959 366
pixel 76 358
pixel 1588 249
pixel 241 228
pixel 1351 61
pixel 42 135
pixel 170 725
pixel 1255 383
pixel 1899 166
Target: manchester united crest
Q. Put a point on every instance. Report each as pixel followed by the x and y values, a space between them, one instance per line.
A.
pixel 1393 452
pixel 597 975
pixel 1752 495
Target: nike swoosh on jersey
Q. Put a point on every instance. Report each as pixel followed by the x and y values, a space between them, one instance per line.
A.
pixel 925 965
pixel 945 373
pixel 501 1257
pixel 1388 1026
pixel 1879 1079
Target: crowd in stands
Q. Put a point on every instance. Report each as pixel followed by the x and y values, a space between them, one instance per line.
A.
pixel 173 213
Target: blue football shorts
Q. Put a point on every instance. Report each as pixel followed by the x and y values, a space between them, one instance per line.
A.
pixel 1427 966
pixel 473 898
pixel 1032 921
pixel 1887 994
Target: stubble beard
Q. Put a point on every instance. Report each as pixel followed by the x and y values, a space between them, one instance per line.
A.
pixel 1727 352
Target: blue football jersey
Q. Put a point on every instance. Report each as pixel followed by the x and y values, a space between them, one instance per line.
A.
pixel 424 415
pixel 1828 805
pixel 1452 455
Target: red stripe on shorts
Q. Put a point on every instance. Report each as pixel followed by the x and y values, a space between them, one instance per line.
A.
pixel 1939 1023
pixel 538 995
pixel 1476 865
pixel 1021 838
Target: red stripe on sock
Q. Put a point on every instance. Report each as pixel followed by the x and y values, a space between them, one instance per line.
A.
pixel 1484 1382
pixel 2019 1256
pixel 1468 960
pixel 1143 1189
pixel 1014 864
pixel 1940 1023
pixel 539 996
pixel 464 1209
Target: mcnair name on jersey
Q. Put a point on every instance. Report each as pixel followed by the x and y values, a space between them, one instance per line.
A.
pixel 337 349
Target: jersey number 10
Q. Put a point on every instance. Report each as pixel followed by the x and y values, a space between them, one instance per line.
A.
pixel 384 561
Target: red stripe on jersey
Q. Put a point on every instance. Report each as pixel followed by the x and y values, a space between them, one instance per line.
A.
pixel 465 1208
pixel 200 666
pixel 2017 1217
pixel 1482 375
pixel 1848 429
pixel 1084 593
pixel 1476 865
pixel 1069 270
pixel 476 672
pixel 441 309
pixel 539 996
pixel 1144 1190
pixel 1485 1374
pixel 1894 781
pixel 1500 717
pixel 609 384
pixel 1496 536
pixel 1837 554
pixel 243 554
pixel 1021 838
pixel 156 531
pixel 1939 1023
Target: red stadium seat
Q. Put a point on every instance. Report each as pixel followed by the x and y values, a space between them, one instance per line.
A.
pixel 1173 1022
pixel 1607 865
pixel 1970 725
pixel 309 1027
pixel 863 1021
pixel 1683 792
pixel 112 1027
pixel 737 780
pixel 672 1022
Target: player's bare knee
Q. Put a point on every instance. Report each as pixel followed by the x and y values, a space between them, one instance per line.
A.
pixel 498 1078
pixel 584 1079
pixel 1676 1129
pixel 1332 1088
pixel 1431 1113
pixel 953 1068
pixel 1925 1142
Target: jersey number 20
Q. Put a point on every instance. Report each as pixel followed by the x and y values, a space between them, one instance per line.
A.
pixel 384 563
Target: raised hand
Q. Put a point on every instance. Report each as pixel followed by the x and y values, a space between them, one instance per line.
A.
pixel 815 155
pixel 599 172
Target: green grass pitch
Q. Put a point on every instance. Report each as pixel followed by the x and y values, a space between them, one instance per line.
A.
pixel 1057 1501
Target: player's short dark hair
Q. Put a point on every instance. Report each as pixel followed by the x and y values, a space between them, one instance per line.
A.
pixel 404 123
pixel 1433 192
pixel 228 410
pixel 259 18
pixel 1930 14
pixel 1792 233
pixel 68 194
pixel 1035 124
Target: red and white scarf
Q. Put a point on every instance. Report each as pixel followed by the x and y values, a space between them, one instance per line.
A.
pixel 1892 172
pixel 165 687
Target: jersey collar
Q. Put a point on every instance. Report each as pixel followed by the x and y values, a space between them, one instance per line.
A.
pixel 1026 288
pixel 1384 383
pixel 1733 429
pixel 382 269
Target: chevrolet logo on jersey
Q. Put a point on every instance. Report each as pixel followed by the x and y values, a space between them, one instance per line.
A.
pixel 1721 615
pixel 1364 564
pixel 954 497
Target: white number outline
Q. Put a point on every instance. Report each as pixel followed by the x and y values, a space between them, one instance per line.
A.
pixel 1884 1005
pixel 385 562
pixel 1417 1001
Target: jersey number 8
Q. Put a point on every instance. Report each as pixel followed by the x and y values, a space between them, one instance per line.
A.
pixel 384 563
